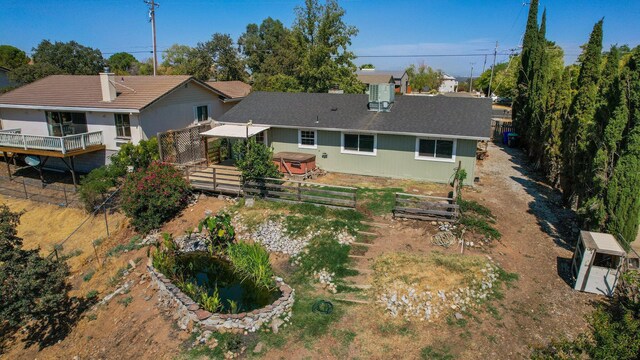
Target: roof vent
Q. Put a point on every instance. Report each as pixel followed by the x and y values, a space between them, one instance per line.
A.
pixel 381 97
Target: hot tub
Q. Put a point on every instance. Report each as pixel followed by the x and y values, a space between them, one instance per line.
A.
pixel 294 163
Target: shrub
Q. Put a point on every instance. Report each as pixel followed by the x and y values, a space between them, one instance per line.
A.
pixel 251 261
pixel 138 156
pixel 96 185
pixel 220 231
pixel 154 195
pixel 164 257
pixel 255 160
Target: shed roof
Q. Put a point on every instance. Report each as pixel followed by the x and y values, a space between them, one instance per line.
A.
pixel 84 91
pixel 602 242
pixel 424 115
pixel 376 78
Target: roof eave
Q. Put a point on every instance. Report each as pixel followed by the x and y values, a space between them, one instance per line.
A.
pixel 68 108
pixel 407 133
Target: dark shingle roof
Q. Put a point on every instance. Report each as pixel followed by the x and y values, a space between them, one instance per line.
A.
pixel 433 115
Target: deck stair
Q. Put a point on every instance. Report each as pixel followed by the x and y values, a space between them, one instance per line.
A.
pixel 216 178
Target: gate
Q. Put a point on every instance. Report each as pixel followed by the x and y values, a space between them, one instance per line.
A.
pixel 184 146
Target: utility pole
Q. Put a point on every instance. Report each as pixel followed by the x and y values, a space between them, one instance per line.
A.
pixel 484 65
pixel 152 17
pixel 471 78
pixel 495 53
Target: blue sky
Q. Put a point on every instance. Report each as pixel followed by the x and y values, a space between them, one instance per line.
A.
pixel 392 27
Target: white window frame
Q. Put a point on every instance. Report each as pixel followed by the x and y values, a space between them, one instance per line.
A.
pixel 315 139
pixel 353 152
pixel 434 158
pixel 266 137
pixel 195 113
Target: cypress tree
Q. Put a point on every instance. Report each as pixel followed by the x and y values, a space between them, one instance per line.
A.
pixel 580 126
pixel 557 107
pixel 611 117
pixel 520 110
pixel 538 94
pixel 622 199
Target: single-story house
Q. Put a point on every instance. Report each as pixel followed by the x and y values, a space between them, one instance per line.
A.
pixel 77 121
pixel 449 84
pixel 373 76
pixel 4 77
pixel 411 137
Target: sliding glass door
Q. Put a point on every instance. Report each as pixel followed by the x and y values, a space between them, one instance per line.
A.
pixel 66 123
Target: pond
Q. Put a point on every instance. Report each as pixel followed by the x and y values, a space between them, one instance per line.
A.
pixel 210 272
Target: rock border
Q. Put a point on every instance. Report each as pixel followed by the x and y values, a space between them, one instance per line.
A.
pixel 190 313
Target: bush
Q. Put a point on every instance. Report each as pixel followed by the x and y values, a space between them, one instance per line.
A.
pixel 255 160
pixel 220 231
pixel 154 195
pixel 96 185
pixel 138 156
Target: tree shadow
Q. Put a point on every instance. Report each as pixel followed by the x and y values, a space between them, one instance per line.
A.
pixel 563 265
pixel 49 331
pixel 552 218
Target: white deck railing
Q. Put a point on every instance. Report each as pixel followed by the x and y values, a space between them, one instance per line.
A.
pixel 64 144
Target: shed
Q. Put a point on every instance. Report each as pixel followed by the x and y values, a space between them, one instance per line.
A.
pixel 597 263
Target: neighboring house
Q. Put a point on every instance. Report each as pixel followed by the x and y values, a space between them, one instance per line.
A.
pixel 63 118
pixel 412 137
pixel 4 77
pixel 230 91
pixel 449 84
pixel 373 76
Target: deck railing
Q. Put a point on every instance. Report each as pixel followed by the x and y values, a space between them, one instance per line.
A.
pixel 64 144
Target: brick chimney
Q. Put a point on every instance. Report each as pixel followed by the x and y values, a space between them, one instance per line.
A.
pixel 107 85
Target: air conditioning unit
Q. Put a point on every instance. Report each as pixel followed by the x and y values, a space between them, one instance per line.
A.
pixel 381 97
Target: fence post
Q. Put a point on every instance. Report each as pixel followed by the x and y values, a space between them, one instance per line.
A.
pixel 106 223
pixel 299 192
pixel 24 186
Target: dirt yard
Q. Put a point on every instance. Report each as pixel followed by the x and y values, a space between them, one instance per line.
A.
pixel 537 236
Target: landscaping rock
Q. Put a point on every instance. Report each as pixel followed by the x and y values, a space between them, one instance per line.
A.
pixel 249 202
pixel 275 325
pixel 259 347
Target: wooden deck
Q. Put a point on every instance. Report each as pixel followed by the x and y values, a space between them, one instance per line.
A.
pixel 224 179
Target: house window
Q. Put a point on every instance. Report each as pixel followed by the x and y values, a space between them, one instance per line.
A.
pixel 261 138
pixel 435 149
pixel 66 123
pixel 307 139
pixel 364 144
pixel 202 113
pixel 123 126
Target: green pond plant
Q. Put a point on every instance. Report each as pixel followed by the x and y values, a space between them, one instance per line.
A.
pixel 220 232
pixel 251 261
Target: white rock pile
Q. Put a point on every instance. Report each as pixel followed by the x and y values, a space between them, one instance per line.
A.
pixel 344 238
pixel 272 235
pixel 428 304
pixel 325 278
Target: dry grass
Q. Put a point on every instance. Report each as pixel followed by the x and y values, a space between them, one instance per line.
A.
pixel 372 182
pixel 44 225
pixel 434 271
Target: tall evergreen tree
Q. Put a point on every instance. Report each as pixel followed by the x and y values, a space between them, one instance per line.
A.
pixel 557 107
pixel 622 200
pixel 580 125
pixel 537 94
pixel 531 35
pixel 611 118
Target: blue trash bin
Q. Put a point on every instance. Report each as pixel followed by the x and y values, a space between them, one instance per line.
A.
pixel 505 137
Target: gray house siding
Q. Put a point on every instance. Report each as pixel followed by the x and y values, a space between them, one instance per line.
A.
pixel 395 156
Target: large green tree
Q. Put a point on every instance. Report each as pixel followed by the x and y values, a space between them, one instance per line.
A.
pixel 71 57
pixel 221 52
pixel 622 201
pixel 185 60
pixel 521 116
pixel 122 63
pixel 557 108
pixel 578 135
pixel 321 40
pixel 11 57
pixel 423 76
pixel 268 49
pixel 503 83
pixel 33 291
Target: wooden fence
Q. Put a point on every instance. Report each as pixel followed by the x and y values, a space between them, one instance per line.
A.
pixel 302 192
pixel 499 127
pixel 222 179
pixel 421 207
pixel 183 146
